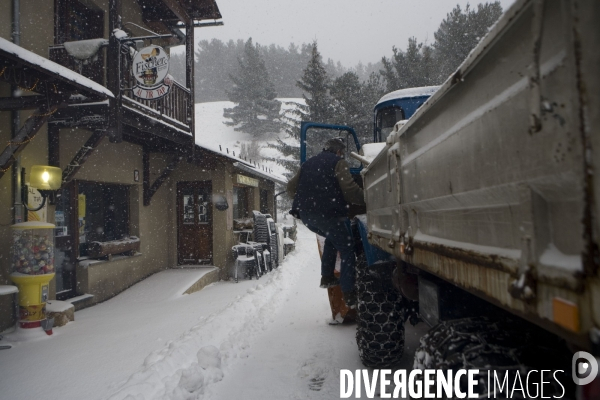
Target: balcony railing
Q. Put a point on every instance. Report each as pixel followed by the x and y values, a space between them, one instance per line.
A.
pixel 92 68
pixel 173 108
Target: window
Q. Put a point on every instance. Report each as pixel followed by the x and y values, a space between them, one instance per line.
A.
pixel 78 20
pixel 105 214
pixel 264 201
pixel 386 119
pixel 316 139
pixel 188 209
pixel 64 258
pixel 240 202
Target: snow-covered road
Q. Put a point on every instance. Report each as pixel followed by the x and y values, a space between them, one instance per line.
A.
pixel 273 342
pixel 265 339
pixel 299 356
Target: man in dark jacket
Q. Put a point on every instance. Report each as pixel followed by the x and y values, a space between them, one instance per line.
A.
pixel 322 191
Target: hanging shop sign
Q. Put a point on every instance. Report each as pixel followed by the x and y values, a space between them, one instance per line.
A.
pixel 150 68
pixel 246 180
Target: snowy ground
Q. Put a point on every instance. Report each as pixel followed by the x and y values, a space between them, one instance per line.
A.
pixel 213 134
pixel 265 339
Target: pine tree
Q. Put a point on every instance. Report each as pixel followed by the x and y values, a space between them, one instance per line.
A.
pixel 353 102
pixel 460 32
pixel 315 83
pixel 457 35
pixel 411 68
pixel 373 90
pixel 347 94
pixel 256 110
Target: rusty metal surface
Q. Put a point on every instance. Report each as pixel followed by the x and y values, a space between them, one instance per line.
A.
pixel 489 278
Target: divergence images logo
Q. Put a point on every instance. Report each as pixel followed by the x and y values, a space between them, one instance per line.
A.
pixel 584 367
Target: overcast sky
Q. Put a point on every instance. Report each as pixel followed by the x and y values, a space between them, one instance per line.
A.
pixel 348 31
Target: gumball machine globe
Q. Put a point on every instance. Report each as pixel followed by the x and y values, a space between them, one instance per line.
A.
pixel 33 248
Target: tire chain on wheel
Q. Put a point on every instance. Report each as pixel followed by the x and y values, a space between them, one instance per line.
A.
pixel 493 345
pixel 380 330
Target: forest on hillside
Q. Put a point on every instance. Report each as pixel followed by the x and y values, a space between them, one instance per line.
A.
pixel 419 64
pixel 215 60
pixel 254 77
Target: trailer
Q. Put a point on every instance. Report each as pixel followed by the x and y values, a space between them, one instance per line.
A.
pixel 485 205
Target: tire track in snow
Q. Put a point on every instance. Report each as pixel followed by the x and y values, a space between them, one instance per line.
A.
pixel 300 355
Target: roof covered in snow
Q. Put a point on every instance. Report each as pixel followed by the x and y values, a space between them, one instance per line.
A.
pixel 14 53
pixel 213 135
pixel 255 169
pixel 408 93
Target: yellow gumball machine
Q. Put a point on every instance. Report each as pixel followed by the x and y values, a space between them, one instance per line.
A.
pixel 33 269
pixel 32 253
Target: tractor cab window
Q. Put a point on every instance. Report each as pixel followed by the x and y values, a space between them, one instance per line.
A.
pixel 316 139
pixel 385 121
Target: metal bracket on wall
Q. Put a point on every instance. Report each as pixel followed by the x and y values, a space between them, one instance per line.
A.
pixel 26 134
pixel 82 155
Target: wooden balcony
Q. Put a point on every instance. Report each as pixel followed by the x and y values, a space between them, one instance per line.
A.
pixel 173 109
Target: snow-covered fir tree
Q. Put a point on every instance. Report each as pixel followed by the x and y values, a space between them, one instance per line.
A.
pixel 315 84
pixel 256 110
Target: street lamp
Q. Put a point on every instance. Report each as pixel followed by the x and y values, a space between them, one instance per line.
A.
pixel 45 179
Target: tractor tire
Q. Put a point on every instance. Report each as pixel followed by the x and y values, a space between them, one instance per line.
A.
pixel 380 330
pixel 496 346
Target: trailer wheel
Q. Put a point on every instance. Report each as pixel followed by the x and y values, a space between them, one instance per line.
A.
pixel 496 346
pixel 380 330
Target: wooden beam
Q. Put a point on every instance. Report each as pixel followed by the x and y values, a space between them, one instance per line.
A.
pixel 22 103
pixel 189 78
pixel 159 181
pixel 82 155
pixel 26 135
pixel 113 81
pixel 179 11
pixel 53 145
pixel 146 175
pixel 53 152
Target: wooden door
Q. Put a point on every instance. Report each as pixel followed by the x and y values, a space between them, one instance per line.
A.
pixel 194 223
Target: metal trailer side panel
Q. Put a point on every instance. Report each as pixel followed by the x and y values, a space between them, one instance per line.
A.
pixel 490 200
pixel 585 14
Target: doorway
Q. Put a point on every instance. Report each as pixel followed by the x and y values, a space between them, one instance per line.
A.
pixel 194 223
pixel 66 241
